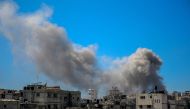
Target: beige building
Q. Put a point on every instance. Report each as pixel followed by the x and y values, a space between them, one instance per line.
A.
pixel 151 101
pixel 39 96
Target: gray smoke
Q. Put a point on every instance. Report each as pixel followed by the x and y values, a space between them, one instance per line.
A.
pixel 136 73
pixel 47 45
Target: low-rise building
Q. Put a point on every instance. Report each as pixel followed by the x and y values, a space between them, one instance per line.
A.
pixel 151 101
pixel 9 104
pixel 9 94
pixel 37 96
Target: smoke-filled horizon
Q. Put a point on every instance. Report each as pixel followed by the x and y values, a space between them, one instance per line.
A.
pixel 53 54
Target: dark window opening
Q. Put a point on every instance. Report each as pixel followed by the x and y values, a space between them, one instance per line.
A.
pixel 55 106
pixel 21 94
pixel 78 98
pixel 25 100
pixel 32 88
pixel 3 95
pixel 37 94
pixel 142 97
pixel 28 88
pixel 48 95
pixel 49 106
pixel 55 95
pixel 140 106
pixel 168 106
pixel 148 106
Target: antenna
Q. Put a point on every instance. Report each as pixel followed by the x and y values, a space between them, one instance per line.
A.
pixel 37 77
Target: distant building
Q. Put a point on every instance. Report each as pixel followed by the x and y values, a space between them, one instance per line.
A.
pixel 151 101
pixel 9 94
pixel 161 100
pixel 41 96
pixel 9 104
pixel 117 100
pixel 92 94
pixel 37 96
pixel 177 95
pixel 114 91
pixel 185 95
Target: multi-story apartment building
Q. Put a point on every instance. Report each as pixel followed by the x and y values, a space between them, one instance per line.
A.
pixel 151 101
pixel 37 96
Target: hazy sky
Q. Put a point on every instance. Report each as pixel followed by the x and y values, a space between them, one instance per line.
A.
pixel 118 28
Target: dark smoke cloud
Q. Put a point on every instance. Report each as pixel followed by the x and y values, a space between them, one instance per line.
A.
pixel 47 45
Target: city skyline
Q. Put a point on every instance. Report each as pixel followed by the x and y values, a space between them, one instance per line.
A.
pixel 115 30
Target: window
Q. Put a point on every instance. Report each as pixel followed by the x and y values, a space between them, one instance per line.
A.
pixel 21 94
pixel 55 95
pixel 150 96
pixel 140 106
pixel 157 100
pixel 48 95
pixel 3 95
pixel 168 106
pixel 49 106
pixel 5 106
pixel 148 106
pixel 25 100
pixel 28 88
pixel 65 99
pixel 55 106
pixel 78 98
pixel 142 97
pixel 37 94
pixel 32 88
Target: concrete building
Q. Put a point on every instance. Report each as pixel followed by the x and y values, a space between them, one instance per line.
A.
pixel 157 100
pixel 9 104
pixel 117 100
pixel 177 95
pixel 9 94
pixel 151 101
pixel 114 92
pixel 92 94
pixel 37 96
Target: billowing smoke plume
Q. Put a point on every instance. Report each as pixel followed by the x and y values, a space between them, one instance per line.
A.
pixel 47 45
pixel 138 72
